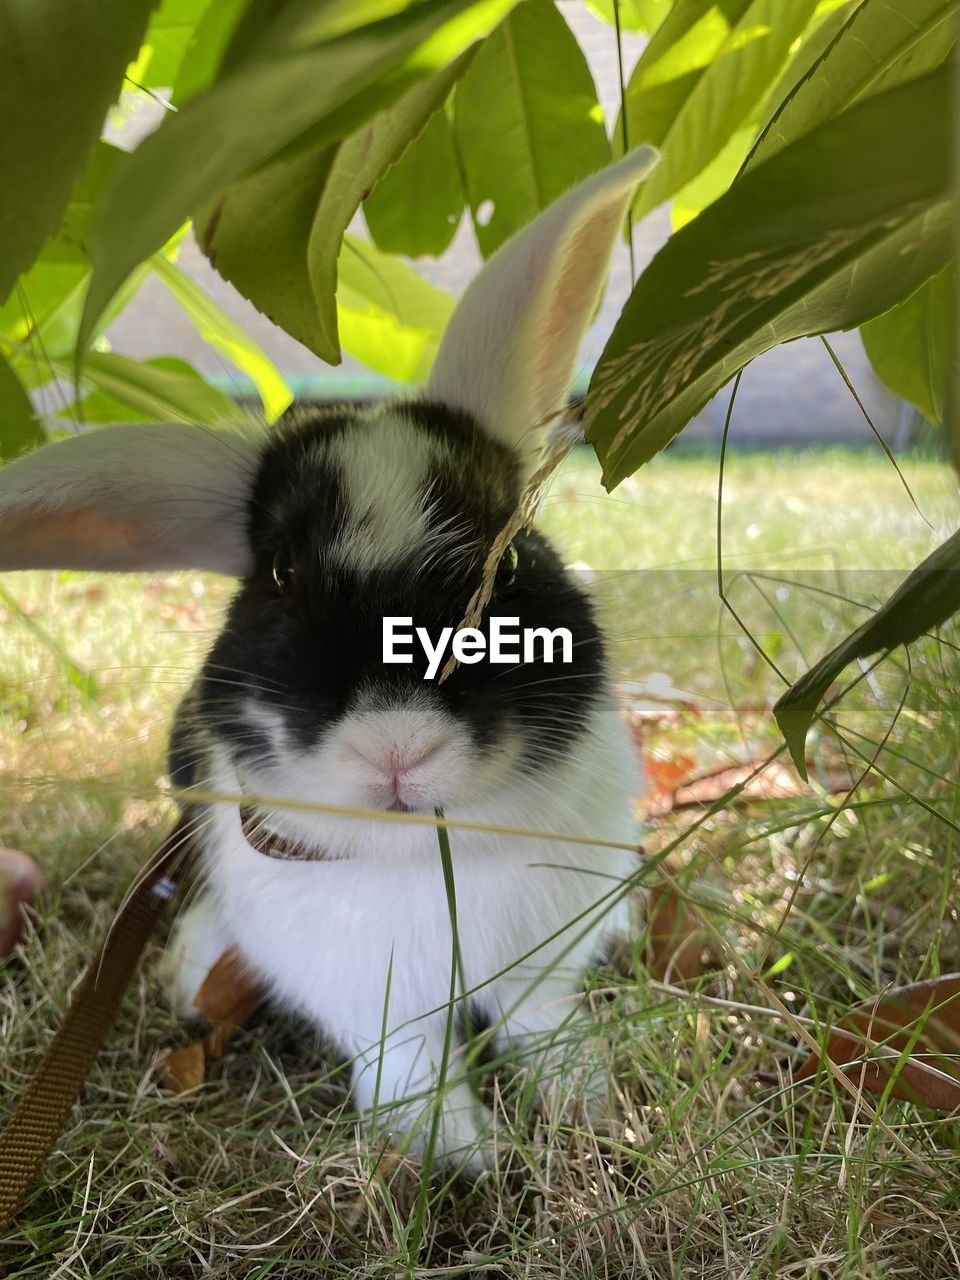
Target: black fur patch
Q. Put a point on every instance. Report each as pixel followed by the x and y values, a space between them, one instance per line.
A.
pixel 308 652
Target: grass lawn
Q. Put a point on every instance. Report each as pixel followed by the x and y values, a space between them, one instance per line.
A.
pixel 711 1162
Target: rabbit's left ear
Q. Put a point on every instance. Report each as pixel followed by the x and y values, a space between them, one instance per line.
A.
pixel 133 498
pixel 509 351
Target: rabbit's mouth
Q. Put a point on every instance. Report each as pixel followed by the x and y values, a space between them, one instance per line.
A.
pixel 262 840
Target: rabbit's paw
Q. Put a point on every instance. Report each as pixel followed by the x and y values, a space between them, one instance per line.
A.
pixel 467 1138
pixel 196 944
pixel 463 1138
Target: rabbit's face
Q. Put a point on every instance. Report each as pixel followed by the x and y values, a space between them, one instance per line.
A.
pixel 357 516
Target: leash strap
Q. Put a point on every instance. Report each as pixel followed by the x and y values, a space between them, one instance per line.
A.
pixel 43 1108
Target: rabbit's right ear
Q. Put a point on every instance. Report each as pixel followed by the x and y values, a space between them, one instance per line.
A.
pixel 166 496
pixel 509 351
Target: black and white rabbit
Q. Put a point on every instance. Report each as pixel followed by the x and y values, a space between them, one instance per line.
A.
pixel 331 521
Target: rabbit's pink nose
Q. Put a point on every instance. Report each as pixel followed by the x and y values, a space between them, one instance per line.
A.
pixel 397 760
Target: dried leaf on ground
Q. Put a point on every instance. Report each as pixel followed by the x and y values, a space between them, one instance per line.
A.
pixel 676 937
pixel 228 997
pixel 663 775
pixel 777 781
pixel 182 1069
pixel 869 1041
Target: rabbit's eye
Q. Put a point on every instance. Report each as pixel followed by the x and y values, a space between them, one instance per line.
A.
pixel 282 571
pixel 507 568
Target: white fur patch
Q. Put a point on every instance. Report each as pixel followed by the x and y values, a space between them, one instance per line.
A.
pixel 384 466
pixel 383 473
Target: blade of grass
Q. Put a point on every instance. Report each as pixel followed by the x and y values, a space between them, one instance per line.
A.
pixel 83 681
pixel 415 1232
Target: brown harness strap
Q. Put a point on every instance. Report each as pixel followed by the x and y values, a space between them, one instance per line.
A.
pixel 42 1110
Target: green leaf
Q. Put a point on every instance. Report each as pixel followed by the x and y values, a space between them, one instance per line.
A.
pixel 158 399
pixel 268 27
pixel 44 310
pixel 19 428
pixel 527 122
pixel 700 78
pixel 359 162
pixel 158 390
pixel 61 66
pixel 167 39
pixel 925 599
pixel 71 240
pixel 415 207
pixel 250 116
pixel 912 347
pixel 41 320
pixel 875 47
pixel 714 180
pixel 276 236
pixel 227 337
pixel 819 35
pixel 830 232
pixel 337 17
pixel 635 15
pixel 390 317
pixel 257 235
pixel 205 49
